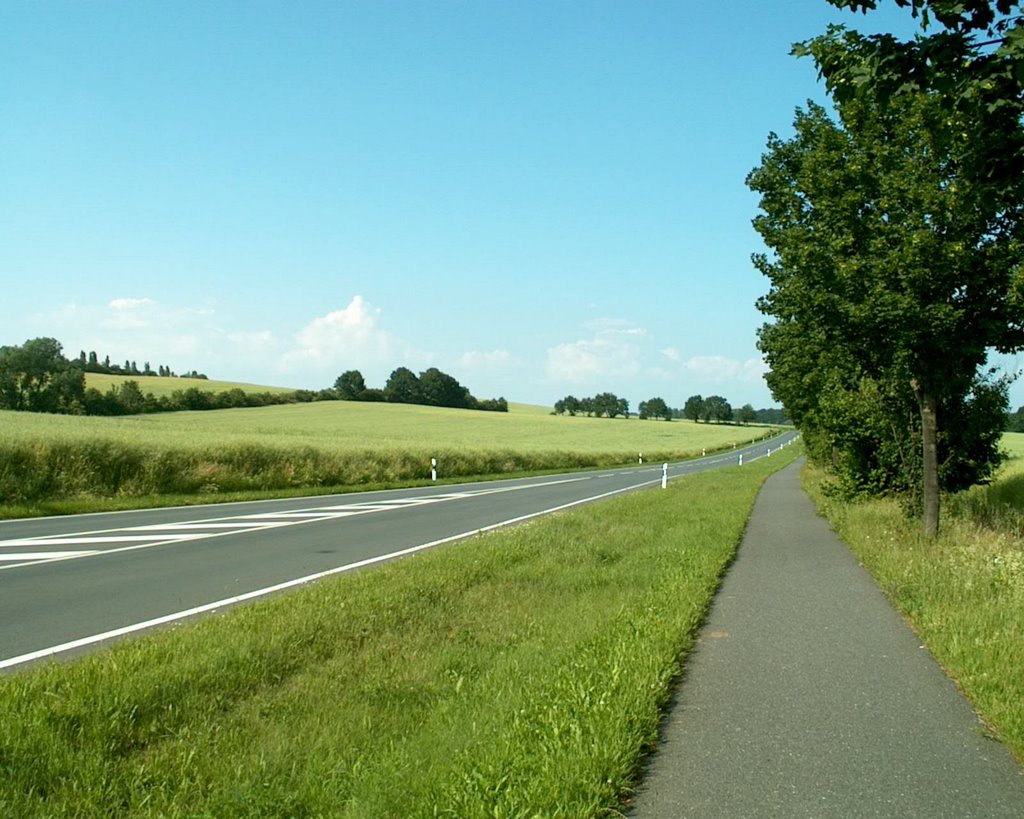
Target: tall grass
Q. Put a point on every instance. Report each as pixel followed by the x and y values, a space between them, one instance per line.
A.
pixel 963 592
pixel 49 458
pixel 519 673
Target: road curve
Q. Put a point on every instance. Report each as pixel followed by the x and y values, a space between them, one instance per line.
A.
pixel 71 583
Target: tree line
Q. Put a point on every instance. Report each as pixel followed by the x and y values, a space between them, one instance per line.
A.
pixel 36 377
pixel 91 364
pixel 697 408
pixel 895 229
pixel 432 388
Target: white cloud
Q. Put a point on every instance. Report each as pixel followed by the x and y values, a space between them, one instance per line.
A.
pixel 671 353
pixel 351 338
pixel 719 369
pixel 129 304
pixel 612 352
pixel 495 359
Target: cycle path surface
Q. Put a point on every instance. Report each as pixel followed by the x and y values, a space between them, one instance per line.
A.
pixel 809 696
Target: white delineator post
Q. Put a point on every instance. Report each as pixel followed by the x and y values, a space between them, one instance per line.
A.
pixel 433 469
pixel 741 459
pixel 640 459
pixel 664 476
pixel 704 452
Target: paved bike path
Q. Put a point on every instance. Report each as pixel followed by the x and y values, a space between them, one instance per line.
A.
pixel 808 696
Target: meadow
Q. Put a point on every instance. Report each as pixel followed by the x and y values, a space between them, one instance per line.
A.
pixel 519 673
pixel 165 386
pixel 48 459
pixel 963 593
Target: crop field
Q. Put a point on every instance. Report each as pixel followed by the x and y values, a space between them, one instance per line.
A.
pixel 165 386
pixel 322 444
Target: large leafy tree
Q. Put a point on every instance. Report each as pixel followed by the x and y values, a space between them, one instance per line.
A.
pixel 891 273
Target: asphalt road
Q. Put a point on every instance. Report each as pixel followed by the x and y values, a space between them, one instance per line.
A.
pixel 809 696
pixel 70 583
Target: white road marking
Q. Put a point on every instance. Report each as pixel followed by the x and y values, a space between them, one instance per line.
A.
pixel 180 615
pixel 170 533
pixel 15 556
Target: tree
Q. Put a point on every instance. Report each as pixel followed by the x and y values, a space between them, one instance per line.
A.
pixel 716 408
pixel 403 387
pixel 968 56
pixel 439 389
pixel 655 408
pixel 36 377
pixel 694 408
pixel 745 414
pixel 891 276
pixel 607 403
pixel 350 385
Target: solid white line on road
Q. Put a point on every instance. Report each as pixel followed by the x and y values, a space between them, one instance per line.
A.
pixel 228 601
pixel 15 556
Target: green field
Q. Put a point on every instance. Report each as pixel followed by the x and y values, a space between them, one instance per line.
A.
pixel 516 674
pixel 48 458
pixel 165 386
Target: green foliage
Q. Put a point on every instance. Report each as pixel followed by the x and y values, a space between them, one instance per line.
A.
pixel 35 377
pixel 350 385
pixel 654 408
pixel 891 277
pixel 694 408
pixel 745 414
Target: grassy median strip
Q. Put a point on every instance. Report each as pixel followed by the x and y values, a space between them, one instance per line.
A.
pixel 517 673
pixel 963 593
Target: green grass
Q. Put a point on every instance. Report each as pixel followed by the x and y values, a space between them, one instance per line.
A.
pixel 964 592
pixel 51 458
pixel 521 673
pixel 165 386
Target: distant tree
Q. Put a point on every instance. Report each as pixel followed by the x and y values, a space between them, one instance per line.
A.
pixel 655 408
pixel 716 408
pixel 622 407
pixel 93 364
pixel 130 398
pixel 36 377
pixel 372 394
pixel 587 406
pixel 350 385
pixel 745 414
pixel 403 387
pixel 606 403
pixel 560 406
pixel 694 408
pixel 438 389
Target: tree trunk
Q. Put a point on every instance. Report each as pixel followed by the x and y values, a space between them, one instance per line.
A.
pixel 930 461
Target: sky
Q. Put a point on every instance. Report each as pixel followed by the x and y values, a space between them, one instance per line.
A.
pixel 539 198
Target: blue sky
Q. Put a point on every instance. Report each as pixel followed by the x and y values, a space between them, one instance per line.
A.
pixel 540 198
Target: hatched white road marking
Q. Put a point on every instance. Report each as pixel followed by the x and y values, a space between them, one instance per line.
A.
pixel 15 556
pixel 163 534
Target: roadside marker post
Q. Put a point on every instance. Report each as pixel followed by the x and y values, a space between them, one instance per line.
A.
pixel 741 459
pixel 704 452
pixel 433 469
pixel 640 458
pixel 664 476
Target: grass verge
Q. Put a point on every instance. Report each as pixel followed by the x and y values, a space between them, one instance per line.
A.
pixel 518 673
pixel 963 593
